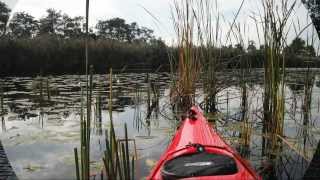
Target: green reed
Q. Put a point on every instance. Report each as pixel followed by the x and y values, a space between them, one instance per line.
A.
pixel 118 164
pixel 41 89
pixel 112 140
pixel 246 126
pixel 148 95
pixel 110 95
pixel 83 169
pixel 245 134
pixel 2 113
pixel 48 90
pixel 98 112
pixel 116 159
pixel 275 20
pixel 198 25
pixel 306 107
pixel 1 100
pixel 208 25
pixel 189 66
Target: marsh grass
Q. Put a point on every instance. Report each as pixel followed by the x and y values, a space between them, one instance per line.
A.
pixel 83 170
pixel 189 65
pixel 208 26
pixel 275 20
pixel 98 112
pixel 306 107
pixel 1 100
pixel 48 89
pixel 2 112
pixel 137 116
pixel 246 129
pixel 41 90
pixel 117 162
pixel 198 26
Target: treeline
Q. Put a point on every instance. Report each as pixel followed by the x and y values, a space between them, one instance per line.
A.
pixel 50 55
pixel 297 54
pixel 54 44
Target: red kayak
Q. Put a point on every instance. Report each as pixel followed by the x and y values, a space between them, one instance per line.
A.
pixel 198 152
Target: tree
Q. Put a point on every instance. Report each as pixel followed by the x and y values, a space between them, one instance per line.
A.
pixel 23 25
pixel 4 17
pixel 299 47
pixel 118 29
pixel 52 23
pixel 311 51
pixel 144 34
pixel 115 29
pixel 72 27
pixel 251 46
pixel 313 7
pixel 239 49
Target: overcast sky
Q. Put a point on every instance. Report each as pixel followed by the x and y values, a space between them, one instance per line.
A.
pixel 133 11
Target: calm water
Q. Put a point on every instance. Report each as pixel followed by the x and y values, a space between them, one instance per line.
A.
pixel 39 137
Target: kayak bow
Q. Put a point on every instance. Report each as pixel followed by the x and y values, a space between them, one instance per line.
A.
pixel 198 152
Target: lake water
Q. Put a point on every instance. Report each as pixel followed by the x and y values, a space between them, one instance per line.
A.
pixel 39 137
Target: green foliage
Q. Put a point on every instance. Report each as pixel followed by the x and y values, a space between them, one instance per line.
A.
pixel 251 47
pixel 23 25
pixel 55 44
pixel 275 31
pixel 313 7
pixel 72 27
pixel 188 60
pixel 52 23
pixel 118 29
pixel 299 47
pixel 4 16
pixel 66 56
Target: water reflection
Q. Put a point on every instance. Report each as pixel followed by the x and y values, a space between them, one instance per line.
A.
pixel 42 115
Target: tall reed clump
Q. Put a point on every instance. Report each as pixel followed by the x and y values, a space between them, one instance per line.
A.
pixel 239 32
pixel 208 33
pixel 83 169
pixel 245 133
pixel 189 66
pixel 274 19
pixel 306 107
pixel 117 162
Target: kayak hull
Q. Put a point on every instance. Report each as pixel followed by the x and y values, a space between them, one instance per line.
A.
pixel 197 131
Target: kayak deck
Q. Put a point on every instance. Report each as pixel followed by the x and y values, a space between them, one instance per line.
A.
pixel 196 133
